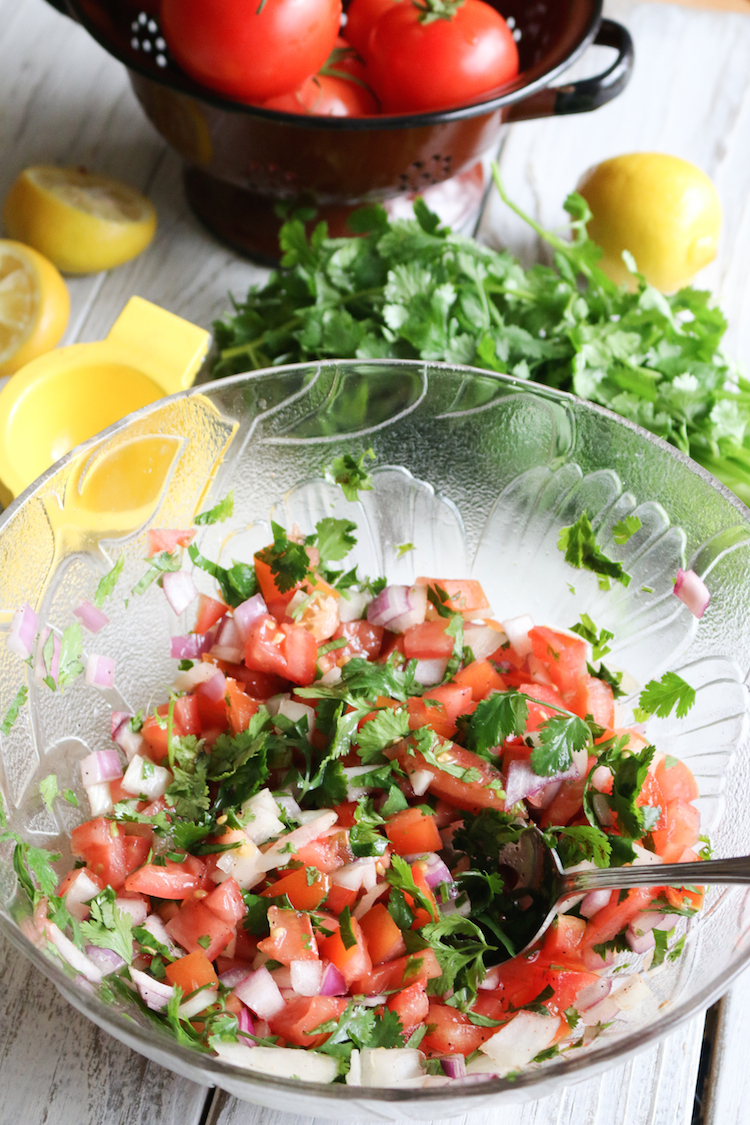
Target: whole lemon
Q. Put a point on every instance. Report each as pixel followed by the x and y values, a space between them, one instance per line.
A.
pixel 662 209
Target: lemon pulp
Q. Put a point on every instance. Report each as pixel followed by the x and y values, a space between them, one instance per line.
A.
pixel 34 306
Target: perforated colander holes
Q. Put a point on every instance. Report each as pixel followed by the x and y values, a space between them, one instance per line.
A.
pixel 146 38
pixel 422 173
pixel 517 33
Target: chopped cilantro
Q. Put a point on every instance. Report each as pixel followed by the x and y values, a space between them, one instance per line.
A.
pixel 388 726
pixel 403 549
pixel 629 772
pixel 597 638
pixel 166 562
pixel 624 529
pixel 11 714
pixel 289 561
pixel 364 838
pixel 107 584
pixel 661 697
pixel 220 512
pixel 237 582
pixel 345 929
pixel 560 738
pixel 71 650
pixel 351 475
pixel 495 719
pixel 108 927
pixel 580 842
pixel 581 551
pixel 334 539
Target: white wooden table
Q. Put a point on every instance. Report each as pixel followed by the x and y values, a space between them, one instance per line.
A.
pixel 62 99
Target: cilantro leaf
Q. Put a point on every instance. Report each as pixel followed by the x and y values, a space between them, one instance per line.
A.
pixel 188 793
pixel 624 529
pixel 334 539
pixel 597 638
pixel 629 772
pixel 106 585
pixel 351 474
pixel 18 701
pixel 560 738
pixel 460 947
pixel 220 512
pixel 388 726
pixel 400 876
pixel 289 561
pixel 364 837
pixel 495 719
pixel 240 762
pixel 166 562
pixel 108 927
pixel 581 551
pixel 237 582
pixel 614 679
pixel 661 697
pixel 71 651
pixel 579 842
pixel 49 789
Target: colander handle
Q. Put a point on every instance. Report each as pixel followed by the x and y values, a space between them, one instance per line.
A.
pixel 587 93
pixel 61 7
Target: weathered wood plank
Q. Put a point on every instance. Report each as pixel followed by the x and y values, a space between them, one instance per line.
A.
pixel 57 1068
pixel 654 1088
pixel 727 1093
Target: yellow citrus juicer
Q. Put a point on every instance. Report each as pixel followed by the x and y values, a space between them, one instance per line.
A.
pixel 66 396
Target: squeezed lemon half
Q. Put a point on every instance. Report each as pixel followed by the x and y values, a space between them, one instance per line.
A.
pixel 664 210
pixel 81 221
pixel 34 306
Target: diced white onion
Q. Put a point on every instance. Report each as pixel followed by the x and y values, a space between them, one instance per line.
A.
pixel 389 1066
pixel 264 822
pixel 517 631
pixel 307 977
pixel 430 672
pixel 198 1003
pixel 99 798
pixel 520 1040
pixel 260 992
pixel 353 606
pixel 143 777
pixel 420 781
pixel 81 890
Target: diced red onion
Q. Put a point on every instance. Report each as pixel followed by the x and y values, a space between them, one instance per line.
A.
pixel 307 977
pixel 91 617
pixel 369 899
pixel 435 871
pixel 72 954
pixel 523 782
pixel 603 811
pixel 245 1023
pixel 102 765
pixel 154 993
pixel 41 671
pixel 516 630
pixel 247 612
pixel 232 977
pixel 122 734
pixel 420 781
pixel 215 688
pixel 454 1065
pixel 190 647
pixel 23 627
pixel 430 672
pixel 593 902
pixel 261 994
pixel 179 590
pixel 649 920
pixel 229 635
pixel 100 799
pixel 106 960
pixel 546 796
pixel 592 994
pixel 228 654
pixel 693 591
pixel 398 607
pixel 100 671
pixel 640 943
pixel 603 1012
pixel 333 983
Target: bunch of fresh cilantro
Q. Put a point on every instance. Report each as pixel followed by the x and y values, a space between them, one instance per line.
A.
pixel 414 289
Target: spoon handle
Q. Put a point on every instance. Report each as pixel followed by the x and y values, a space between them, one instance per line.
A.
pixel 735 870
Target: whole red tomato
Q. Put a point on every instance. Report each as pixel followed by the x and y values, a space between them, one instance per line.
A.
pixel 327 96
pixel 250 49
pixel 361 17
pixel 419 60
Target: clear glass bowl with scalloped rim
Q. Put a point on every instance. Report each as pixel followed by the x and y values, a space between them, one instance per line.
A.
pixel 479 472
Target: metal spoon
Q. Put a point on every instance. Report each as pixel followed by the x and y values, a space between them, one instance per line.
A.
pixel 542 880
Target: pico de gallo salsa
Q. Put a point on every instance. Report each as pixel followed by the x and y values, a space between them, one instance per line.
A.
pixel 303 859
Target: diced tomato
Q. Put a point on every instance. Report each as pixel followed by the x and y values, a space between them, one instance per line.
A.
pixel 210 610
pixel 167 539
pixel 428 641
pixel 283 650
pixel 340 897
pixel 422 714
pixel 481 678
pixel 296 1022
pixel 676 781
pixel 274 599
pixel 422 916
pixel 455 699
pixel 329 851
pixel 245 946
pixel 385 942
pixel 72 877
pixel 363 639
pixel 259 685
pixel 608 922
pixel 682 830
pixel 173 880
pixel 198 929
pixel 411 1005
pixel 689 896
pixel 291 937
pixel 346 812
pixel 400 973
pixel 599 702
pixel 352 962
pixel 465 596
pixel 564 935
pixel 450 1031
pixel 565 661
pixel 185 720
pixel 191 972
pixel 101 844
pixel 302 894
pixel 651 796
pixel 546 694
pixel 240 707
pixel 212 713
pixel 227 902
pixel 568 802
pixel 392 642
pixel 484 792
pixel 412 831
pixel 136 850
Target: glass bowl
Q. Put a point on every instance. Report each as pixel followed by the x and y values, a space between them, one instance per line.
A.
pixel 480 472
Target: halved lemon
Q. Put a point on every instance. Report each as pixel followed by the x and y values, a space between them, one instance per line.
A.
pixel 81 221
pixel 34 306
